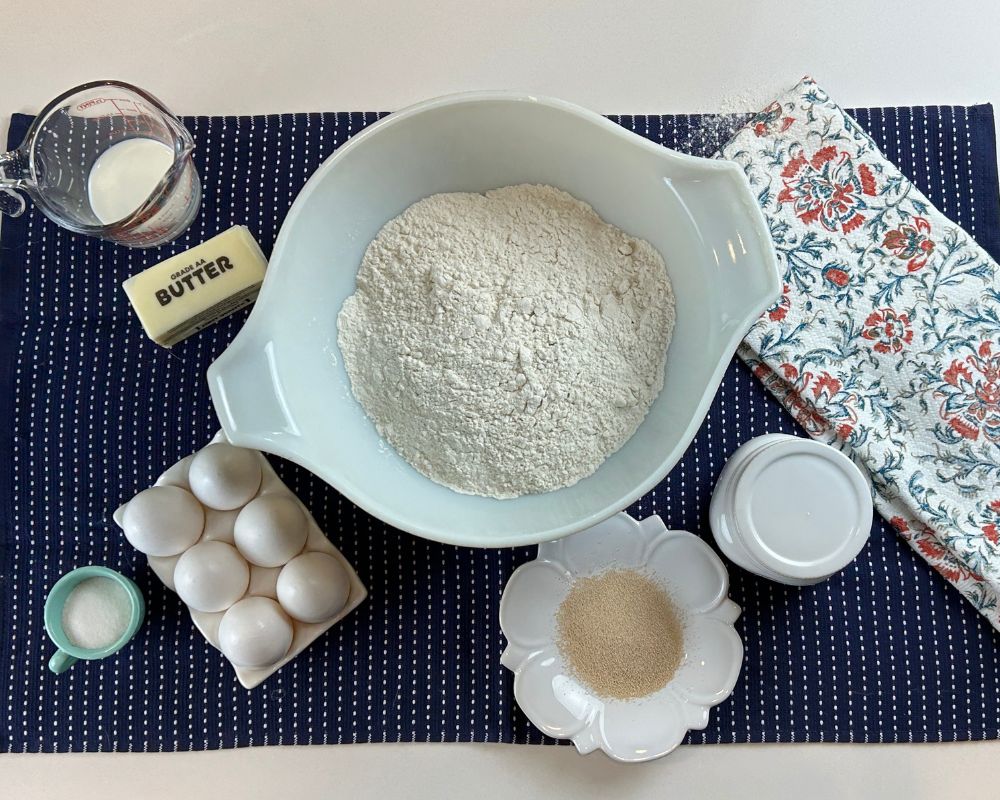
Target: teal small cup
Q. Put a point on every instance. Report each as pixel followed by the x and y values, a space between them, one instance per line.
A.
pixel 68 653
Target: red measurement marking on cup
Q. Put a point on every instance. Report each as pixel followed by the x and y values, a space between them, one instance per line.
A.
pixel 91 103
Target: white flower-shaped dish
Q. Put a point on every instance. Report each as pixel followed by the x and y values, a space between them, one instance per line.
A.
pixel 563 707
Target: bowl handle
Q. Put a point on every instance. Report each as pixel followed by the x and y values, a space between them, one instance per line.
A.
pixel 248 397
pixel 750 262
pixel 741 247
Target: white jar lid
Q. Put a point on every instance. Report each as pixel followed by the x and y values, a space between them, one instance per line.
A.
pixel 802 508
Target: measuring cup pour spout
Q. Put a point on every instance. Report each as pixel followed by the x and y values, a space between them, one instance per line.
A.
pixel 13 176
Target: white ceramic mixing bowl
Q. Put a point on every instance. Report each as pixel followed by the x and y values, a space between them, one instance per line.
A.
pixel 281 386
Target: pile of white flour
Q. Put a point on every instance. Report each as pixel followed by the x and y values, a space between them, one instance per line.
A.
pixel 506 343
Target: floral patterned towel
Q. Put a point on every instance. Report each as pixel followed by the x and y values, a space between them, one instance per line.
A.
pixel 886 339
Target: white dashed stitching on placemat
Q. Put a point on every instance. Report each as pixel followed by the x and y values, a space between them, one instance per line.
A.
pixel 848 659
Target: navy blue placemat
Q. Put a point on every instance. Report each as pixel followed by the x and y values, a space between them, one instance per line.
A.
pixel 91 412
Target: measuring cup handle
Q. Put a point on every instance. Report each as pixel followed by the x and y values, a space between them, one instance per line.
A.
pixel 60 662
pixel 12 172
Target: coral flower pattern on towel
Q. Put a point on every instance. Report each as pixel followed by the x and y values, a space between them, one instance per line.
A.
pixel 888 330
pixel 911 240
pixel 885 341
pixel 827 187
pixel 970 396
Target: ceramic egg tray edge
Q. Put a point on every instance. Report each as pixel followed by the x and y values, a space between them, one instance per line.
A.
pixel 208 622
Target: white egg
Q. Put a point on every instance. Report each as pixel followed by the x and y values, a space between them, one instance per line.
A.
pixel 223 476
pixel 211 576
pixel 270 530
pixel 313 587
pixel 163 521
pixel 255 632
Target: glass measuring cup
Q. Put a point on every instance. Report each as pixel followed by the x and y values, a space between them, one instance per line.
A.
pixel 106 159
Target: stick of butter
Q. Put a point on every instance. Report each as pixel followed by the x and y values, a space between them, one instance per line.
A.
pixel 194 289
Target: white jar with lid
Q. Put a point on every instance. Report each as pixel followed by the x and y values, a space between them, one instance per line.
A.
pixel 792 510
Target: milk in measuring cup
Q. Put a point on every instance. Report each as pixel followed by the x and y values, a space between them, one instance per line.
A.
pixel 125 175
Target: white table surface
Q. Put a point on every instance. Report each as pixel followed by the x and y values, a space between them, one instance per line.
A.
pixel 629 56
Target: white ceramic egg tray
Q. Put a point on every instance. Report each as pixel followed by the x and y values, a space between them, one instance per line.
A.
pixel 263 580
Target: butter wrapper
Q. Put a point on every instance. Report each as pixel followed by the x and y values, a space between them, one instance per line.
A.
pixel 192 290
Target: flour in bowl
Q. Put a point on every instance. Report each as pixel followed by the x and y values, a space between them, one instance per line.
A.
pixel 506 343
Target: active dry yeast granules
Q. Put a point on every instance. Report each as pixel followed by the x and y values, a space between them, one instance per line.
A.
pixel 620 634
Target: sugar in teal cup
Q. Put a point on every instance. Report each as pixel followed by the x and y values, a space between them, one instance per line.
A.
pixel 68 653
